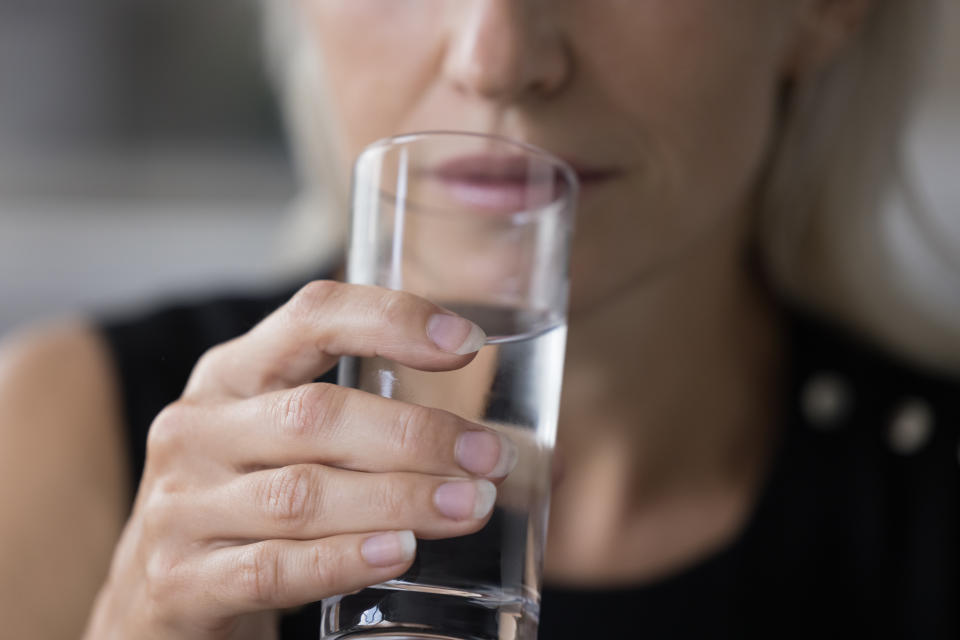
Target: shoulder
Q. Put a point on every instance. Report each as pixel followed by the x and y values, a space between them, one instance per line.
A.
pixel 58 391
pixel 60 433
pixel 66 485
pixel 56 367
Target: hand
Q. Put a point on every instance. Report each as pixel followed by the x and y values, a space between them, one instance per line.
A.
pixel 263 490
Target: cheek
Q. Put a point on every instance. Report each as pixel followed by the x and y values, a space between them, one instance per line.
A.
pixel 695 120
pixel 372 87
pixel 703 106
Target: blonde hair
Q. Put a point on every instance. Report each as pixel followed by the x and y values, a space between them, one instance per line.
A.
pixel 840 228
pixel 316 230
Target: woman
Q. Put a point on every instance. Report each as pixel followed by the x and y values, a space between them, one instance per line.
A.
pixel 728 487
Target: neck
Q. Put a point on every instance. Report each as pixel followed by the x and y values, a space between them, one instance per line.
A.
pixel 682 363
pixel 668 399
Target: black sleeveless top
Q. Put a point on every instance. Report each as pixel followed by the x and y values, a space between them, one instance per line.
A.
pixel 854 535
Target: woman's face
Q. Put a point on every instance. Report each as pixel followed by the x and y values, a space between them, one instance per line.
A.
pixel 665 107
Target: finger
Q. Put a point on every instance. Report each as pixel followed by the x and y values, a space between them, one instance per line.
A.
pixel 325 320
pixel 276 574
pixel 346 428
pixel 304 502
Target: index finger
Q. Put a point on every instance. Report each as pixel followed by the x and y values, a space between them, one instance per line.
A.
pixel 325 320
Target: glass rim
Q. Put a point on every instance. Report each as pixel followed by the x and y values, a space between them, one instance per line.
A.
pixel 404 139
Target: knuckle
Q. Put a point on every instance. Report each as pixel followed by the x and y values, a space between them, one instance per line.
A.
pixel 311 297
pixel 390 501
pixel 167 436
pixel 162 580
pixel 210 361
pixel 329 568
pixel 210 357
pixel 396 307
pixel 259 573
pixel 290 496
pixel 410 430
pixel 308 410
pixel 163 511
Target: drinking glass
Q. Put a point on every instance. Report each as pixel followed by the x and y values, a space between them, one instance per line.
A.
pixel 480 225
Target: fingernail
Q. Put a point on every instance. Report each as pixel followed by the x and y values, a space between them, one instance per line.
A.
pixel 486 454
pixel 463 499
pixel 388 549
pixel 454 334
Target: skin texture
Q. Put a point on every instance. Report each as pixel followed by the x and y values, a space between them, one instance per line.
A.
pixel 665 116
pixel 677 98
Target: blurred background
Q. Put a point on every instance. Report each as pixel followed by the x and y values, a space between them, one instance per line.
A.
pixel 141 153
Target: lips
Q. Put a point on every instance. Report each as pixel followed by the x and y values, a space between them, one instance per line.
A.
pixel 506 183
pixel 498 183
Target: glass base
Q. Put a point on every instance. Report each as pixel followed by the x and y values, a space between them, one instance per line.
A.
pixel 398 611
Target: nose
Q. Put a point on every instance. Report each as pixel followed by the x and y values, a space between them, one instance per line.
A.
pixel 507 50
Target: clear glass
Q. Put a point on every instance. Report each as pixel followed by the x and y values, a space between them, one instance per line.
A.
pixel 481 225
